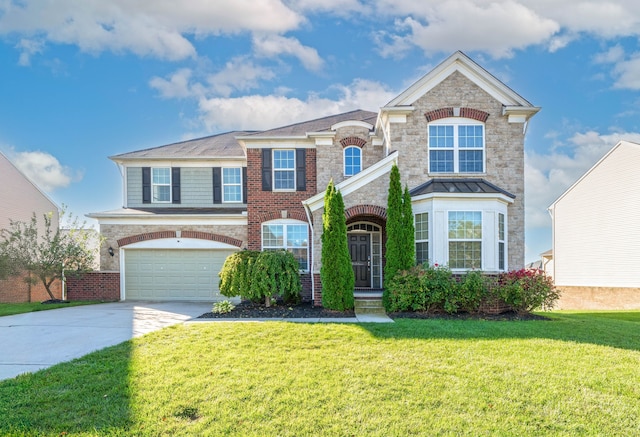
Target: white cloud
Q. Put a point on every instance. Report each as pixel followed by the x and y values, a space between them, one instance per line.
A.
pixel 264 112
pixel 176 87
pixel 146 27
pixel 29 47
pixel 548 175
pixel 268 46
pixel 239 74
pixel 43 169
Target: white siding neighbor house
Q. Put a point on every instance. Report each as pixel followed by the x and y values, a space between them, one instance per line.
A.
pixel 596 235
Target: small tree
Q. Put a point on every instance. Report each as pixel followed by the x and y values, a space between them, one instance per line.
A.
pixel 336 272
pixel 45 257
pixel 408 249
pixel 276 273
pixel 395 233
pixel 235 275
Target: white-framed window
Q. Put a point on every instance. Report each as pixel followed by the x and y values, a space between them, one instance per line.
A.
pixel 284 169
pixel 232 184
pixel 421 222
pixel 501 243
pixel 293 237
pixel 465 239
pixel 352 160
pixel 456 146
pixel 161 185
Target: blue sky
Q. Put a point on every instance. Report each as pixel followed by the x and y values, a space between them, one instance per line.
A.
pixel 82 80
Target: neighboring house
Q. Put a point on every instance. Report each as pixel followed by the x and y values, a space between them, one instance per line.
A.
pixel 457 136
pixel 20 199
pixel 596 237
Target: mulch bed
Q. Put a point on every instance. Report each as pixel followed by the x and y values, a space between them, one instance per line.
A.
pixel 250 310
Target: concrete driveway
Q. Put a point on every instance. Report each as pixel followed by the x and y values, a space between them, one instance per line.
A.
pixel 34 341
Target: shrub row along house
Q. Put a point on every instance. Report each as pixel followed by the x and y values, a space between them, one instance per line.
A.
pixel 457 136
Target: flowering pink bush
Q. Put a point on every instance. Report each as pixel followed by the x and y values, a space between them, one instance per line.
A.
pixel 526 290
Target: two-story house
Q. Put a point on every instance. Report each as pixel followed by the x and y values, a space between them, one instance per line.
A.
pixel 457 136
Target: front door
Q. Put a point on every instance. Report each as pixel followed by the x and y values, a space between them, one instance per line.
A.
pixel 360 250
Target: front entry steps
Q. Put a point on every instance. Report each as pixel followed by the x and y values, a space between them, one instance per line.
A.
pixel 368 302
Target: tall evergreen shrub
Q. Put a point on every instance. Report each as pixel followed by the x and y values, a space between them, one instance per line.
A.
pixel 395 233
pixel 336 272
pixel 408 250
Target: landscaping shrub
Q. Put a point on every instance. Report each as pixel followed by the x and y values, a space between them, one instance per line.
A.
pixel 259 276
pixel 235 275
pixel 527 290
pixel 276 273
pixel 435 288
pixel 223 307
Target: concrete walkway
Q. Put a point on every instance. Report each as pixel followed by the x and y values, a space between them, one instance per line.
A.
pixel 34 341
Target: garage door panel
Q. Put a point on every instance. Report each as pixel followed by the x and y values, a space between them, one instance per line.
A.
pixel 172 274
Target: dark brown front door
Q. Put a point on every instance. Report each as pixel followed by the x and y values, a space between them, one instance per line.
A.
pixel 360 250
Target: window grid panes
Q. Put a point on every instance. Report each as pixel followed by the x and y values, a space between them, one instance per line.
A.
pixel 465 239
pixel 352 161
pixel 161 185
pixel 456 148
pixel 291 237
pixel 422 237
pixel 501 243
pixel 284 165
pixel 232 185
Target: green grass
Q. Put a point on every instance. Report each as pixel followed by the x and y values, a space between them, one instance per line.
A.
pixel 576 374
pixel 9 309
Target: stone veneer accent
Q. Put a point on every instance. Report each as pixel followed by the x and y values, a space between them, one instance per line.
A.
pixel 504 148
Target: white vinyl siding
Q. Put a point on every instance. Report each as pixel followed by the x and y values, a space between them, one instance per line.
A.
pixel 173 274
pixel 595 224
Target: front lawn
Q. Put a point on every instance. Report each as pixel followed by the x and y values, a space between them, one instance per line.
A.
pixel 8 309
pixel 576 374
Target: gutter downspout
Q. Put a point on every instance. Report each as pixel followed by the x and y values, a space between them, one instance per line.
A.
pixel 311 247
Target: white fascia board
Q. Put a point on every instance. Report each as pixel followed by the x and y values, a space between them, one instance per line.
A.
pixel 519 114
pixel 474 72
pixel 355 182
pixel 238 161
pixel 177 219
pixel 464 196
pixel 397 114
pixel 351 123
pixel 282 143
pixel 322 138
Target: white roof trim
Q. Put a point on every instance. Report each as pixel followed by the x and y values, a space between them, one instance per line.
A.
pixel 473 196
pixel 588 172
pixel 349 123
pixel 474 72
pixel 179 243
pixel 355 182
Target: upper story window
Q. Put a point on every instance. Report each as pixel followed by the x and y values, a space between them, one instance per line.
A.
pixel 293 237
pixel 232 185
pixel 456 146
pixel 465 239
pixel 352 160
pixel 161 185
pixel 284 169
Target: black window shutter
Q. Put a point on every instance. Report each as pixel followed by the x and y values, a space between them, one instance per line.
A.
pixel 146 184
pixel 301 170
pixel 266 170
pixel 244 184
pixel 217 185
pixel 175 184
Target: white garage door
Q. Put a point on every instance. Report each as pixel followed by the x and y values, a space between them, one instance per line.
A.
pixel 166 274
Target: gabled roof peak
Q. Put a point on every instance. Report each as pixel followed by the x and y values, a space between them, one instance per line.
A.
pixel 463 64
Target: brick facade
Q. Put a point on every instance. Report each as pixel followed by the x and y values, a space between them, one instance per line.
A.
pixel 598 298
pixel 99 286
pixel 16 290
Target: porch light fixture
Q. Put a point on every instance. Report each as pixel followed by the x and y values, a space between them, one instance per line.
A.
pixel 110 250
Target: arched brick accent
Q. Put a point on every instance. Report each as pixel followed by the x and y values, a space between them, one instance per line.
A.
pixel 145 237
pixel 474 114
pixel 212 237
pixel 275 215
pixel 437 114
pixel 353 141
pixel 172 234
pixel 373 210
